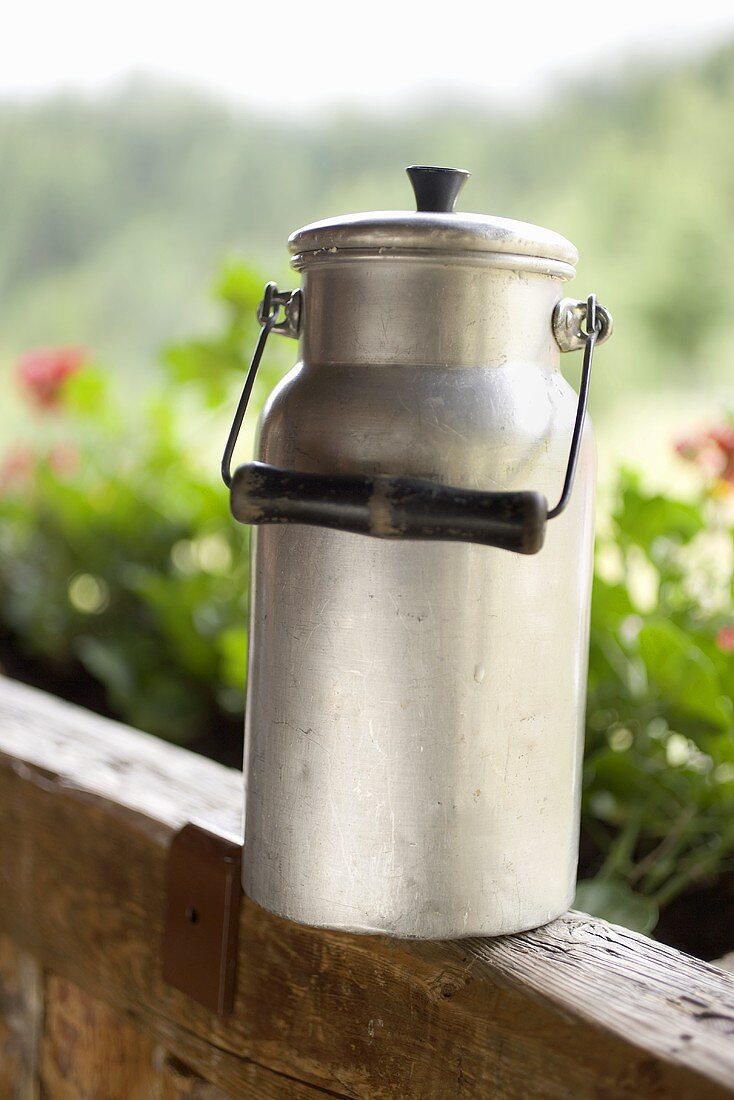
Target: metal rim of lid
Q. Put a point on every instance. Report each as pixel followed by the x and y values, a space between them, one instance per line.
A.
pixel 453 237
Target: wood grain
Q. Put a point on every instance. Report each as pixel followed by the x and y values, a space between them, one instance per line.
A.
pixel 579 1008
pixel 21 1010
pixel 90 1050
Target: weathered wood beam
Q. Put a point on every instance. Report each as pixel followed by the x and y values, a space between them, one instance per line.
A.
pixel 21 1015
pixel 579 1008
pixel 89 1050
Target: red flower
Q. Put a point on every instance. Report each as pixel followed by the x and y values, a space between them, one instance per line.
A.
pixel 44 371
pixel 725 639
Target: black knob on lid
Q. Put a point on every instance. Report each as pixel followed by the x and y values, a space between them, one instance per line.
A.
pixel 436 189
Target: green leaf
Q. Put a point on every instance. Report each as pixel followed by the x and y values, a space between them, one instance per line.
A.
pixel 169 707
pixel 176 603
pixel 85 393
pixel 614 901
pixel 682 672
pixel 240 285
pixel 642 518
pixel 610 603
pixel 232 644
pixel 108 663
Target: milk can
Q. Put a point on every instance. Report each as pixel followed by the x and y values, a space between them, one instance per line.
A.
pixel 421 571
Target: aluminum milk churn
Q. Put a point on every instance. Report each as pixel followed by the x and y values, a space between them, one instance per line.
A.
pixel 421 575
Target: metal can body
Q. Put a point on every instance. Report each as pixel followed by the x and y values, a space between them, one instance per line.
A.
pixel 414 724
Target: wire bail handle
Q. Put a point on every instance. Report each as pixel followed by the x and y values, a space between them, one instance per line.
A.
pixel 596 323
pixel 269 315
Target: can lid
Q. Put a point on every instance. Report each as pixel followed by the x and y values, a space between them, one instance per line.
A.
pixel 434 227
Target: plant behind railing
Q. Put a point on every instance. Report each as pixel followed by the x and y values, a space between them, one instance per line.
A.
pixel 659 765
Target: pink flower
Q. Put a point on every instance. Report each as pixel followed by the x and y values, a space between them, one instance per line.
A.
pixel 688 448
pixel 725 639
pixel 63 459
pixel 713 452
pixel 44 371
pixel 16 468
pixel 723 438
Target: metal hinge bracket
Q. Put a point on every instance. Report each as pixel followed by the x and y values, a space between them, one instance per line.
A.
pixel 202 916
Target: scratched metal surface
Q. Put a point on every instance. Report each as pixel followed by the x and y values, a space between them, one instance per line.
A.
pixel 414 726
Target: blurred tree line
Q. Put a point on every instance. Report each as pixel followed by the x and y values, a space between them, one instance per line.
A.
pixel 114 211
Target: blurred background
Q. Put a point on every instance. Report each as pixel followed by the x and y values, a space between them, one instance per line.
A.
pixel 152 165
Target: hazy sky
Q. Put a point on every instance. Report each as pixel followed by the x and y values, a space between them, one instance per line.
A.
pixel 289 55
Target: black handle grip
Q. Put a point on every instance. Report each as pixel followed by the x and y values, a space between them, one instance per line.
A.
pixel 389 507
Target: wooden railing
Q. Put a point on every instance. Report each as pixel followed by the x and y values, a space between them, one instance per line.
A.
pixel 88 808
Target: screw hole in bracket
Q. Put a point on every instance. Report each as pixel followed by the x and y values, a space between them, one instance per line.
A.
pixel 200 928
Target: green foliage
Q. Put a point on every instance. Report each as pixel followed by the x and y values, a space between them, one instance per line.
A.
pixel 659 766
pixel 616 902
pixel 119 552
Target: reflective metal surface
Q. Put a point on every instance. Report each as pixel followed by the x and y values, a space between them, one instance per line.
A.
pixel 415 710
pixel 462 234
pixel 569 324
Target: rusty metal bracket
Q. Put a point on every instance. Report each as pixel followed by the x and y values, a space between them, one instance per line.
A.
pixel 201 921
